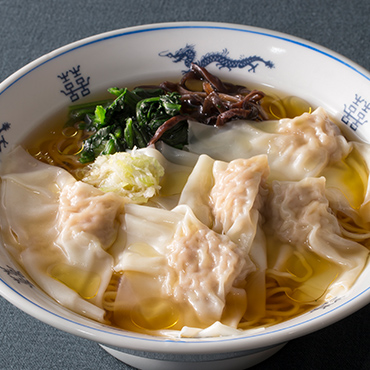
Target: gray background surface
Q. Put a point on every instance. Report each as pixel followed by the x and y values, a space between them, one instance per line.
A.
pixel 30 29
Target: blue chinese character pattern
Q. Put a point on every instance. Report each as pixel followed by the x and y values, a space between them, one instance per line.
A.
pixel 355 114
pixel 4 127
pixel 75 85
pixel 16 275
pixel 187 55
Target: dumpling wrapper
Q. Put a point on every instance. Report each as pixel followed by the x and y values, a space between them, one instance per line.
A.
pixel 300 217
pixel 296 148
pixel 228 197
pixel 177 258
pixel 62 252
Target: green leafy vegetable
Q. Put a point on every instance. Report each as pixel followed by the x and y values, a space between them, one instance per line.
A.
pixel 130 120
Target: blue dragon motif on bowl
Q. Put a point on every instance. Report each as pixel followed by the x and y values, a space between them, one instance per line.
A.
pixel 187 55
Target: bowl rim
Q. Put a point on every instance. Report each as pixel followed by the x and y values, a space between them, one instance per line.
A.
pixel 160 344
pixel 38 62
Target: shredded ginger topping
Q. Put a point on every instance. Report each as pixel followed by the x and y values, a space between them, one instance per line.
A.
pixel 134 175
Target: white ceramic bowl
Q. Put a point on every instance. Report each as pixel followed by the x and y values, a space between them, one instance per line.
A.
pixel 82 70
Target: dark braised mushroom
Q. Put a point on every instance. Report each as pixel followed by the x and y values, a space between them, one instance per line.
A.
pixel 215 103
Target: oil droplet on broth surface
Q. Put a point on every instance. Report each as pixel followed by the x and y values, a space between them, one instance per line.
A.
pixel 85 283
pixel 155 314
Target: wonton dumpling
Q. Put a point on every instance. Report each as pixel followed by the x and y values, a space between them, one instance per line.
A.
pixel 236 198
pixel 88 221
pixel 300 217
pixel 65 258
pixel 296 148
pixel 205 268
pixel 228 197
pixel 177 258
pixel 86 209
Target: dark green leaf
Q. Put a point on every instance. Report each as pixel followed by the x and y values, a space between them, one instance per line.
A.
pixel 131 120
pixel 129 133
